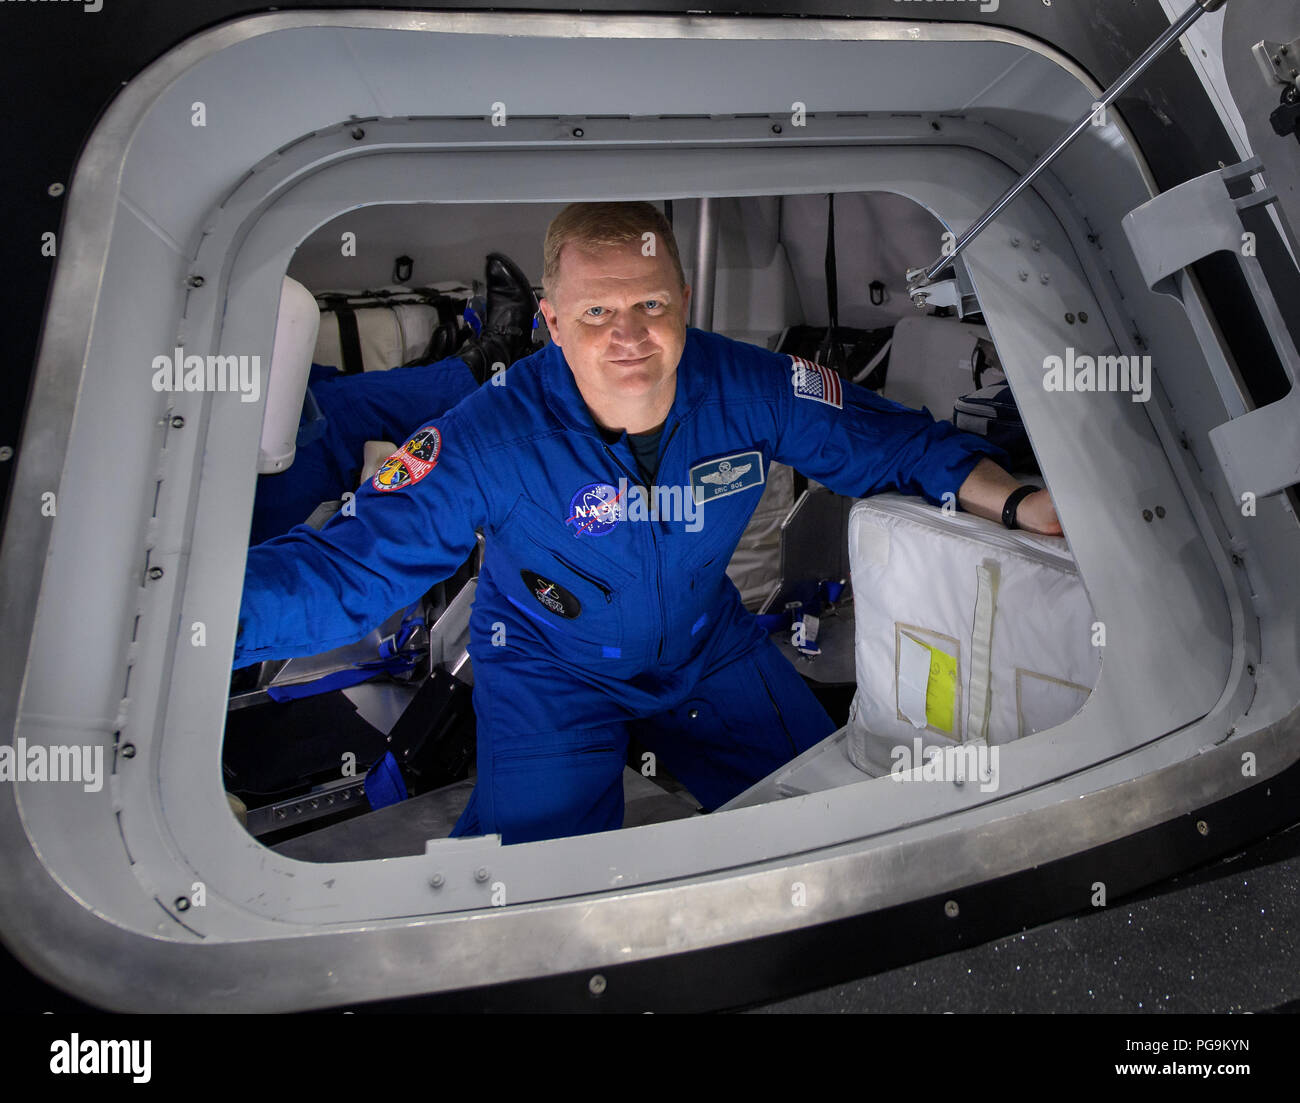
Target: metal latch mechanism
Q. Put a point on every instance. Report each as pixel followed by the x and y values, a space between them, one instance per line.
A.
pixel 1280 64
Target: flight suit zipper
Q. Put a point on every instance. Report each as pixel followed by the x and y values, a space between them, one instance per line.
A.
pixel 663 614
pixel 637 479
pixel 654 541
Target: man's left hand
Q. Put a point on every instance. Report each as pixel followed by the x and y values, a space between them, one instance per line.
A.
pixel 986 490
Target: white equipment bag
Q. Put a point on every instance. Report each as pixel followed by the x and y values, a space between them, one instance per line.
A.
pixel 966 632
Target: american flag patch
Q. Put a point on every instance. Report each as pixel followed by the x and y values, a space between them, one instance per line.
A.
pixel 816 382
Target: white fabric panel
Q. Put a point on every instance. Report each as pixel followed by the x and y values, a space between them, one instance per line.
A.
pixel 878 236
pixel 929 363
pixel 916 576
pixel 756 563
pixel 390 335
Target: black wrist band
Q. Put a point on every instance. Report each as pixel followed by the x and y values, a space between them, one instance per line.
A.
pixel 1015 498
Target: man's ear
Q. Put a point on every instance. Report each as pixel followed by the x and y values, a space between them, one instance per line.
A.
pixel 548 315
pixel 686 302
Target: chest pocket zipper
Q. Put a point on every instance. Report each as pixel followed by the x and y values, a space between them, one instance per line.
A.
pixel 609 594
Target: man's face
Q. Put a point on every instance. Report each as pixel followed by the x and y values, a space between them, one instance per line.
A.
pixel 620 318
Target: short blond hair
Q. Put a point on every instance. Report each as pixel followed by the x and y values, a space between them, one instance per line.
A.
pixel 596 225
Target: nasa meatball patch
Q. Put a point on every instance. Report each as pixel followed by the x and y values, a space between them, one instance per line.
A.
pixel 814 382
pixel 410 463
pixel 594 510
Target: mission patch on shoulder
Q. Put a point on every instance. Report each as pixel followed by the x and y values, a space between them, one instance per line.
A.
pixel 410 463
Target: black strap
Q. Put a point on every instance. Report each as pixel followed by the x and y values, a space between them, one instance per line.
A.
pixel 349 340
pixel 830 352
pixel 668 212
pixel 1012 502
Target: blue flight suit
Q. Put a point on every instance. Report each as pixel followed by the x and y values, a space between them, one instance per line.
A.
pixel 591 621
pixel 381 405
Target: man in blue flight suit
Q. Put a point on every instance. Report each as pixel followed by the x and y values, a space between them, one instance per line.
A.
pixel 598 615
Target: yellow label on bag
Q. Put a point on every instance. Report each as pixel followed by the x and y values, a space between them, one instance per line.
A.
pixel 941 690
pixel 940 686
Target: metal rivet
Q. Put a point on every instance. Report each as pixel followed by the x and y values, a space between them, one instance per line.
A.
pixel 596 985
pixel 1236 560
pixel 5 452
pixel 55 189
pixel 436 881
pixel 577 132
pixel 935 126
pixel 1160 511
pixel 1202 827
pixel 195 281
pixel 694 714
pixel 1043 277
pixel 950 909
pixel 1250 669
pixel 776 128
pixel 1147 515
pixel 1037 245
pixel 358 133
pixel 182 904
pixel 481 874
pixel 1083 315
pixel 1023 275
pixel 155 573
pixel 127 750
pixel 1015 243
pixel 1069 318
pixel 178 422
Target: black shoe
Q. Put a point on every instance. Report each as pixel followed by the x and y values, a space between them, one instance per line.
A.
pixel 508 328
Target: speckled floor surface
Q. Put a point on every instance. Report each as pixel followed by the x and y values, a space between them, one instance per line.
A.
pixel 1223 938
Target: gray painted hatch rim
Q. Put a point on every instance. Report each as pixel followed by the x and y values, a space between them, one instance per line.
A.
pixel 263 201
pixel 47 384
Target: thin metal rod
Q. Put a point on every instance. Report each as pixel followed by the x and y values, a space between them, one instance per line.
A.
pixel 706 264
pixel 1190 16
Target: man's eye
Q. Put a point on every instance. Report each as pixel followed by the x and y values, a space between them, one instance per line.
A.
pixel 653 304
pixel 591 311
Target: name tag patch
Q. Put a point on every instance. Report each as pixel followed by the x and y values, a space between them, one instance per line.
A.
pixel 729 475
